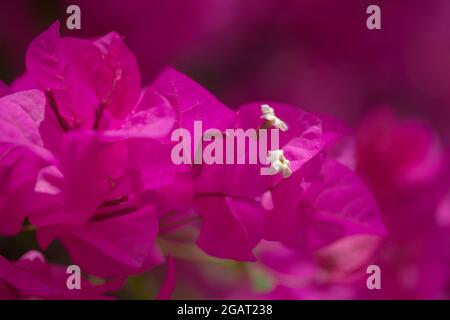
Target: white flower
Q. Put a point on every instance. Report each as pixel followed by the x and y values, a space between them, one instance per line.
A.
pixel 279 163
pixel 268 114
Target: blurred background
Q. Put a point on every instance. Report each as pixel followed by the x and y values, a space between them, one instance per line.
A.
pixel 318 55
pixel 314 54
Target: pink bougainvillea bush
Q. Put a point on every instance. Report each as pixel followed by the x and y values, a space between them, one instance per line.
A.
pixel 86 167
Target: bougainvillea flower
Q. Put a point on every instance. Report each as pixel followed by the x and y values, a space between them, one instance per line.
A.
pixel 413 209
pixel 86 157
pixel 305 135
pixel 31 277
pixel 233 229
pixel 94 168
pixel 104 153
pixel 112 243
pixel 21 155
pixel 334 205
pixel 237 188
pixel 254 206
pixel 90 199
pixel 91 82
pixel 179 102
pixel 310 197
pixel 191 102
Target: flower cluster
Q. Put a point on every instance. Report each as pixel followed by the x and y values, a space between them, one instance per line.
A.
pixel 85 160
